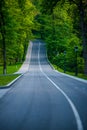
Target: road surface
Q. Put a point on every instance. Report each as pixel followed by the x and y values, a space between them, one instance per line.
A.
pixel 44 99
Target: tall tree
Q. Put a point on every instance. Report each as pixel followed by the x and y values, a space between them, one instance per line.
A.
pixel 79 9
pixel 81 6
pixel 3 31
pixel 16 24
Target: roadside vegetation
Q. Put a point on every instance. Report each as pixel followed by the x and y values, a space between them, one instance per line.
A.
pixel 11 68
pixel 16 25
pixel 80 75
pixel 62 24
pixel 6 79
pixel 10 76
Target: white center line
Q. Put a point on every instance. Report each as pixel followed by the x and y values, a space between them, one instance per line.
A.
pixel 76 114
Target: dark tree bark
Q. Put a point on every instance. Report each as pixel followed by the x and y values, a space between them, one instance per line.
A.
pixel 83 30
pixel 2 29
pixel 81 7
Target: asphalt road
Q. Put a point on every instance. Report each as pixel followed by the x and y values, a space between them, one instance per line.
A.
pixel 44 99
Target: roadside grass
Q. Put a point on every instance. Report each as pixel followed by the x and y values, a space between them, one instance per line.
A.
pixel 70 73
pixel 6 79
pixel 11 68
pixel 10 76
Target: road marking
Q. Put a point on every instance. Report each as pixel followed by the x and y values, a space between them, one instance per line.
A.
pixel 76 114
pixel 73 77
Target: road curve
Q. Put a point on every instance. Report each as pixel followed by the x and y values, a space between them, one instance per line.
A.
pixel 44 99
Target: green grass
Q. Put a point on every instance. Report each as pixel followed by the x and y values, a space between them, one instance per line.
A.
pixel 71 73
pixel 11 68
pixel 5 79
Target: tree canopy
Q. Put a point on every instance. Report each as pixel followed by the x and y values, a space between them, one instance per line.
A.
pixel 65 26
pixel 62 24
pixel 16 24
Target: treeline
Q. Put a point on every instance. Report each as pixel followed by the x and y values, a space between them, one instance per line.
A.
pixel 16 24
pixel 64 28
pixel 62 24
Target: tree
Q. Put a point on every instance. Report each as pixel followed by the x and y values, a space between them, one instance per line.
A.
pixel 16 24
pixel 74 11
pixel 81 7
pixel 3 31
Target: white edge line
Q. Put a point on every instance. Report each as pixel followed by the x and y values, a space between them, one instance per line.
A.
pixel 70 76
pixel 73 77
pixel 14 80
pixel 76 114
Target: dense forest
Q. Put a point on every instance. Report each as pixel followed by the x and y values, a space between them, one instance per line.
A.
pixel 16 24
pixel 62 24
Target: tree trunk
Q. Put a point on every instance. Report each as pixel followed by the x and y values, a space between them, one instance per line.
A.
pixel 4 56
pixel 2 23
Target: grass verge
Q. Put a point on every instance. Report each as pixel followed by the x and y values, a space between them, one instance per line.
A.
pixel 6 79
pixel 11 68
pixel 71 73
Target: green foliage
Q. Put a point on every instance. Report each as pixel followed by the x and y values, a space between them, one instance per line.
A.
pixel 61 23
pixel 16 30
pixel 11 68
pixel 61 34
